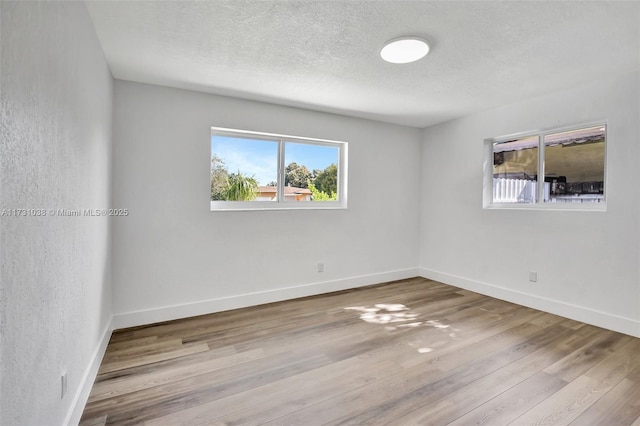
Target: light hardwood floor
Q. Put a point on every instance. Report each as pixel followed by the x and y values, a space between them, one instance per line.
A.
pixel 411 352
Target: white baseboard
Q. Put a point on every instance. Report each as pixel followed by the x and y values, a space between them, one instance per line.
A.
pixel 579 313
pixel 167 313
pixel 89 377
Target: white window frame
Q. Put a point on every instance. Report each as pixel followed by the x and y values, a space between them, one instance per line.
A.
pixel 487 190
pixel 280 203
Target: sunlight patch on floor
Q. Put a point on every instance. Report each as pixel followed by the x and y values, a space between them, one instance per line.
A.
pixel 396 316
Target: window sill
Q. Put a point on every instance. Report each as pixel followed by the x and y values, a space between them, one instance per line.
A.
pixel 217 206
pixel 585 207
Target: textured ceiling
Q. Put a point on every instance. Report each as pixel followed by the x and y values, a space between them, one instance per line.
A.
pixel 324 55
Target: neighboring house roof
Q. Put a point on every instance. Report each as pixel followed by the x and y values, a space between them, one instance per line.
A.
pixel 287 190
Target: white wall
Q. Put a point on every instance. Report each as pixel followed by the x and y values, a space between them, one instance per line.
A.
pixel 173 257
pixel 57 95
pixel 587 262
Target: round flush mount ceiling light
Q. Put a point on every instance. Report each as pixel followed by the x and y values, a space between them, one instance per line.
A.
pixel 404 50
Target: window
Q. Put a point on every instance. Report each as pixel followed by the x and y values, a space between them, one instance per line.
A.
pixel 561 168
pixel 251 170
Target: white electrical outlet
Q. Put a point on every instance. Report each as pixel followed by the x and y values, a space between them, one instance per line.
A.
pixel 320 267
pixel 533 276
pixel 63 385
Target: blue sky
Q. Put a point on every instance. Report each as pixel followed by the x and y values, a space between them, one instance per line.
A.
pixel 260 158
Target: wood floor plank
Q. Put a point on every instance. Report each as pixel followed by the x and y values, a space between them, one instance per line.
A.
pixel 290 394
pixel 407 352
pixel 174 352
pixel 141 350
pixel 487 346
pixel 620 406
pixel 144 405
pixel 587 356
pixel 160 376
pixel 460 401
pixel 480 329
pixel 576 397
pixel 510 405
pixel 115 345
pixel 169 363
pixel 526 386
pixel 558 350
pixel 97 421
pixel 384 403
pixel 357 400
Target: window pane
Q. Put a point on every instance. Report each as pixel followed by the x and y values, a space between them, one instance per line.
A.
pixel 243 169
pixel 311 172
pixel 574 166
pixel 515 171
